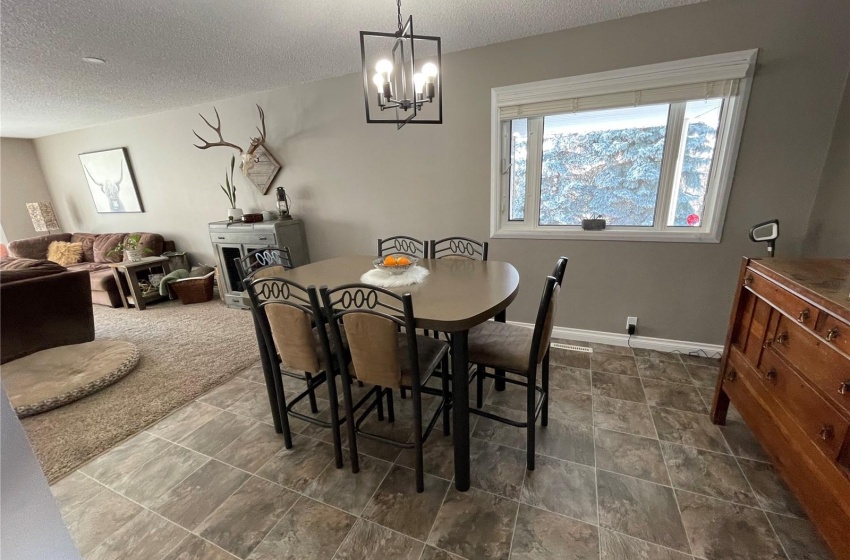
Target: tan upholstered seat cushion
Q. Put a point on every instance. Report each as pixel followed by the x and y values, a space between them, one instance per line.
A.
pixel 431 351
pixel 334 348
pixel 64 253
pixel 500 346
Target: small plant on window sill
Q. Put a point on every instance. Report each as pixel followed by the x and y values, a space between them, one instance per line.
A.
pixel 590 222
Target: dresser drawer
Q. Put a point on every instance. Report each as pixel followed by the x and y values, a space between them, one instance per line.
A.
pixel 821 364
pixel 836 333
pixel 805 313
pixel 818 419
pixel 263 239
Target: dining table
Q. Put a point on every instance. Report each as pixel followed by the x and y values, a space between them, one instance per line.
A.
pixel 457 295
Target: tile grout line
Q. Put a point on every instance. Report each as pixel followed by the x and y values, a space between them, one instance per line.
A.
pixel 434 523
pixel 190 531
pixel 595 467
pixel 670 478
pixel 761 508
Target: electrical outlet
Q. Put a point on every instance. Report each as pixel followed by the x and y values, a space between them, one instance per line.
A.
pixel 631 325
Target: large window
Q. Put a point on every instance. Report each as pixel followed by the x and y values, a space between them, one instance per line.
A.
pixel 651 149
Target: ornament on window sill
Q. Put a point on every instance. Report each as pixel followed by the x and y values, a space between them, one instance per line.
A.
pixel 693 219
pixel 257 163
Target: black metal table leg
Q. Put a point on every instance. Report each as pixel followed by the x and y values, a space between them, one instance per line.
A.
pixel 270 381
pixel 499 385
pixel 460 408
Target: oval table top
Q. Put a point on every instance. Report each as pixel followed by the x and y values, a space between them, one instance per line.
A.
pixel 457 295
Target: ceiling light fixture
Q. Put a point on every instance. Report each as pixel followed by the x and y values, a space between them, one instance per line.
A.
pixel 94 60
pixel 414 94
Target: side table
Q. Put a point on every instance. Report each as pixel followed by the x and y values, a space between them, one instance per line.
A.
pixel 130 271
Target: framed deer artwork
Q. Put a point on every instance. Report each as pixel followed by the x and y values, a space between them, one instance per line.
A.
pixel 111 181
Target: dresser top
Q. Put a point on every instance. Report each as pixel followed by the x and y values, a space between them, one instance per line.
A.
pixel 825 281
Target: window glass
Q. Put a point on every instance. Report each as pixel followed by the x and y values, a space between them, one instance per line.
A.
pixel 605 162
pixel 519 157
pixel 693 166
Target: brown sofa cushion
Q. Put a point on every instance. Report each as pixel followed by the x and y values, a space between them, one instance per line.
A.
pixel 65 253
pixel 152 241
pixel 14 269
pixel 35 247
pixel 100 275
pixel 87 239
pixel 105 243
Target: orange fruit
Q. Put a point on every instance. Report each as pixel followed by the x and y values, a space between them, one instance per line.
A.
pixel 390 261
pixel 402 261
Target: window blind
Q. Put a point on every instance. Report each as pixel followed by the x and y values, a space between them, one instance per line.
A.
pixel 632 98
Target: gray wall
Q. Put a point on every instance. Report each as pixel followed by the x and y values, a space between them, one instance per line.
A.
pixel 31 527
pixel 829 224
pixel 354 182
pixel 21 181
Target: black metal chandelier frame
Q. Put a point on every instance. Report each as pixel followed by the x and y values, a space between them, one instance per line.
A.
pixel 395 94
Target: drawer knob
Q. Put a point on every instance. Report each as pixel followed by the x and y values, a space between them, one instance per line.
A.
pixel 748 279
pixel 844 388
pixel 832 334
pixel 770 375
pixel 781 338
pixel 804 314
pixel 732 375
pixel 826 432
pixel 220 237
pixel 263 238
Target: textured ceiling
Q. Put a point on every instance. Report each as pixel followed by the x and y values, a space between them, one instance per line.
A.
pixel 165 54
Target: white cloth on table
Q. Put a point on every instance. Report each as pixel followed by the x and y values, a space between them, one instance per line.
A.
pixel 413 275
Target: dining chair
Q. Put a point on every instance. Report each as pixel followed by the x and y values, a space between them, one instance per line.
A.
pixel 266 256
pixel 270 260
pixel 459 248
pixel 403 245
pixel 386 352
pixel 520 351
pixel 285 312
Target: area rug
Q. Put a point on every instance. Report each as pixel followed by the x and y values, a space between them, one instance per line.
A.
pixel 185 351
pixel 59 376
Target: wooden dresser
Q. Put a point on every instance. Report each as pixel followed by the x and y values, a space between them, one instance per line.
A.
pixel 786 367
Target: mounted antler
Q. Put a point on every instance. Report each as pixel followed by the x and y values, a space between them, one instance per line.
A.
pixel 262 138
pixel 217 128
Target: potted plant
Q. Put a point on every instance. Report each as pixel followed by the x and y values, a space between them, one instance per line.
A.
pixel 131 248
pixel 229 188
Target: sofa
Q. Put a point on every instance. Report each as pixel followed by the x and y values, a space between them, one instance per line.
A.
pixel 44 305
pixel 96 257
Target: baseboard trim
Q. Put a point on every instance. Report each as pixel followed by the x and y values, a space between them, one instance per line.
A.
pixel 662 344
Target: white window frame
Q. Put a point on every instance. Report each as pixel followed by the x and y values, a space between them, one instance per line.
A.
pixel 730 66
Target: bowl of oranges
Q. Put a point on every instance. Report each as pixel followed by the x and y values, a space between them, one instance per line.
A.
pixel 395 264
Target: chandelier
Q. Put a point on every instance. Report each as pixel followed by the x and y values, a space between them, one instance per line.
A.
pixel 404 85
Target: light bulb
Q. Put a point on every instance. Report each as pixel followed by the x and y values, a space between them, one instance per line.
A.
pixel 378 80
pixel 418 82
pixel 430 70
pixel 384 66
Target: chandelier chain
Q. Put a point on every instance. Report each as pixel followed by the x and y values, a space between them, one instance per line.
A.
pixel 398 4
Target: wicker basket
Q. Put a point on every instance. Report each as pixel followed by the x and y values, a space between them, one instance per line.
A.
pixel 194 290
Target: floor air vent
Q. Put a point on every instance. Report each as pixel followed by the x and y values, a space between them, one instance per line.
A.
pixel 571 347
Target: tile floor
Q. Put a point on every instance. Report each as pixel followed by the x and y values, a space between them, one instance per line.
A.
pixel 630 467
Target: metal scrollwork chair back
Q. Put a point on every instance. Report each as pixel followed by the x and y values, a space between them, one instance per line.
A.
pixel 267 256
pixel 459 248
pixel 403 245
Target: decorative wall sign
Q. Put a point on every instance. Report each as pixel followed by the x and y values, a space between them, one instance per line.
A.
pixel 111 181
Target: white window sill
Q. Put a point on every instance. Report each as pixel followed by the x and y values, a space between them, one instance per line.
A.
pixel 608 235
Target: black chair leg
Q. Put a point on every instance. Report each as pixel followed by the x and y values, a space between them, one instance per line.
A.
pixel 529 413
pixel 500 382
pixel 445 380
pixel 417 440
pixel 390 410
pixel 311 394
pixel 349 420
pixel 479 379
pixel 337 439
pixel 380 397
pixel 544 421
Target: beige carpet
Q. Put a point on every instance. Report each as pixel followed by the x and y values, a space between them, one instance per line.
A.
pixel 185 351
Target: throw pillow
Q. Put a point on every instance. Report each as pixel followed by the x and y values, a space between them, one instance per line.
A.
pixel 64 253
pixel 104 243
